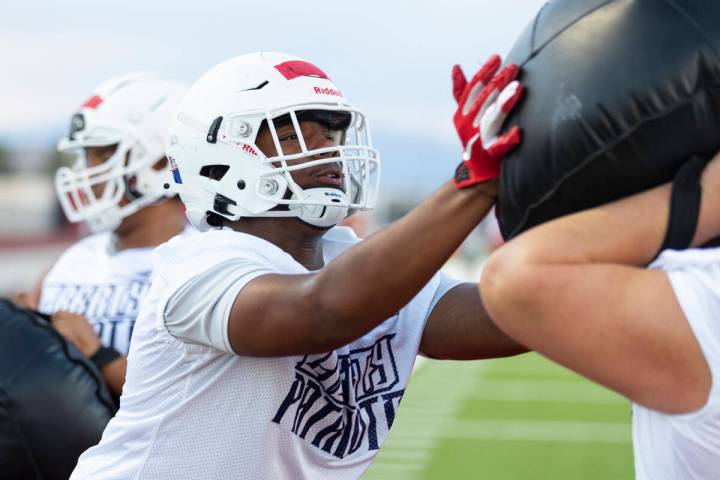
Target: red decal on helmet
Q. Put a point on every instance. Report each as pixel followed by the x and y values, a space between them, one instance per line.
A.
pixel 92 102
pixel 298 68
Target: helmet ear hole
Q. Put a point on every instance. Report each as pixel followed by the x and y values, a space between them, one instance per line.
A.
pixel 214 172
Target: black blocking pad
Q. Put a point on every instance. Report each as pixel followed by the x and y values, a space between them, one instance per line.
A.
pixel 620 93
pixel 53 402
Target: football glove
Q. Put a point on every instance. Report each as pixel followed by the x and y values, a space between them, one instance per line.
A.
pixel 483 104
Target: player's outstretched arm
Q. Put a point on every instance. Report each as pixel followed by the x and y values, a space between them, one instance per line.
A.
pixel 576 290
pixel 276 315
pixel 459 328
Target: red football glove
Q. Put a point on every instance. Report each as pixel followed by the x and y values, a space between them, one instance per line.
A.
pixel 483 105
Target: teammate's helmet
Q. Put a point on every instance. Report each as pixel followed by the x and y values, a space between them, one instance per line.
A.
pixel 219 170
pixel 133 112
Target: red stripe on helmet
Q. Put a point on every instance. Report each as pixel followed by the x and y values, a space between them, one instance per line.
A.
pixel 299 68
pixel 92 102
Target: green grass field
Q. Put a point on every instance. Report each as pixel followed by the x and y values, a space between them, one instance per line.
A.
pixel 519 418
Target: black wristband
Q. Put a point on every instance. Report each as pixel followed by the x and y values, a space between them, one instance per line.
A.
pixel 684 205
pixel 103 356
pixel 462 173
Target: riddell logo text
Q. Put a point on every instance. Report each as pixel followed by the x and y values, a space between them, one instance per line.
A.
pixel 247 148
pixel 327 91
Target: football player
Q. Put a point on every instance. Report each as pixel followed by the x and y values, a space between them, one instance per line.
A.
pixel 274 344
pixel 577 290
pixel 115 185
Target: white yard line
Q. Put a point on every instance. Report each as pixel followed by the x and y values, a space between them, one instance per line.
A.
pixel 535 431
pixel 405 454
pixel 398 455
pixel 540 390
pixel 392 472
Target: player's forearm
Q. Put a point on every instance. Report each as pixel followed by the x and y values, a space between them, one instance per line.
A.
pixel 629 231
pixel 459 328
pixel 563 253
pixel 373 280
pixel 114 374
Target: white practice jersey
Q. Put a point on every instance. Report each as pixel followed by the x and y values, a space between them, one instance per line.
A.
pixel 190 409
pixel 105 287
pixel 686 446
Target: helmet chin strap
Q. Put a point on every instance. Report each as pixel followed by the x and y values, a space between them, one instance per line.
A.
pixel 321 215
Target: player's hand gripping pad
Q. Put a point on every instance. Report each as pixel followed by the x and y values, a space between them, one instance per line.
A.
pixel 53 402
pixel 620 93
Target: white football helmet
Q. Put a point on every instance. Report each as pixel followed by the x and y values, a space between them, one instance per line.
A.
pixel 133 112
pixel 216 128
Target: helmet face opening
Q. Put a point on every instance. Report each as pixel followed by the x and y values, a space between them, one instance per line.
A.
pixel 352 152
pixel 333 120
pixel 278 165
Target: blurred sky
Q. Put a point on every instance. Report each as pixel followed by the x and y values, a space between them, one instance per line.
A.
pixel 391 58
